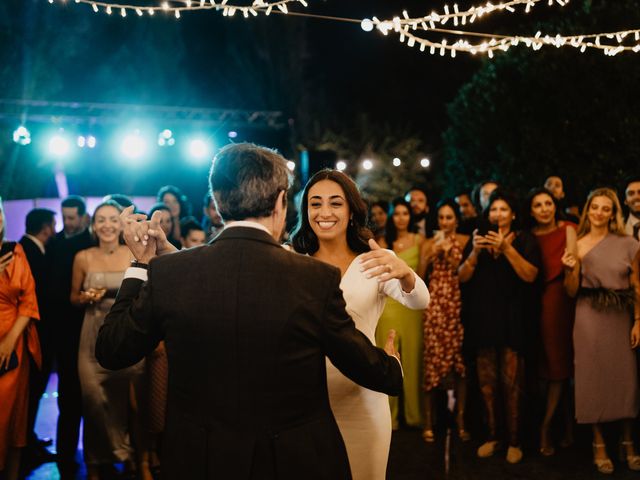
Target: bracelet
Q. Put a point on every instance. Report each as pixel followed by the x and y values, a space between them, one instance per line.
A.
pixel 137 264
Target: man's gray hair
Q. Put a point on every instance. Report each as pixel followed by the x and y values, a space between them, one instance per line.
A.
pixel 245 181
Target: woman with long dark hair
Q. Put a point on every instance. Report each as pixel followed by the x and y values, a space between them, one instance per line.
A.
pixel 557 310
pixel 401 237
pixel 443 330
pixel 499 268
pixel 602 270
pixel 179 208
pixel 332 228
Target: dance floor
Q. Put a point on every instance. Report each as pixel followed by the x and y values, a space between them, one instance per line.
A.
pixel 412 459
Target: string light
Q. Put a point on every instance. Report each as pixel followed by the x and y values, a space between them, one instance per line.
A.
pixel 493 43
pixel 458 17
pixel 177 7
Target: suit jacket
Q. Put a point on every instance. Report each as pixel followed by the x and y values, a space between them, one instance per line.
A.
pixel 40 266
pixel 67 317
pixel 247 325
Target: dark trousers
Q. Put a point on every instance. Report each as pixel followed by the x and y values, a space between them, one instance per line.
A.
pixel 38 378
pixel 69 399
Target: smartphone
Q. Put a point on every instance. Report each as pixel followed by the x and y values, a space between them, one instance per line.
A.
pixel 6 248
pixel 485 227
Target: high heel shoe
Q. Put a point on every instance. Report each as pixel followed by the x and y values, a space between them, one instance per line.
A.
pixel 462 432
pixel 604 465
pixel 428 436
pixel 633 460
pixel 546 449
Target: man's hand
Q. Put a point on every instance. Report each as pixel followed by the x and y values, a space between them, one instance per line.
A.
pixel 135 232
pixel 389 346
pixel 156 233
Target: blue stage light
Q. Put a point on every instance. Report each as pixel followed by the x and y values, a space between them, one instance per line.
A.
pixel 199 149
pixel 133 146
pixel 22 136
pixel 59 146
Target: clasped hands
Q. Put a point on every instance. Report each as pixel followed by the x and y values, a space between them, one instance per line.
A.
pixel 144 238
pixel 492 240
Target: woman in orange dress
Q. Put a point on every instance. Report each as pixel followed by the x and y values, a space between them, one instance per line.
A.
pixel 18 307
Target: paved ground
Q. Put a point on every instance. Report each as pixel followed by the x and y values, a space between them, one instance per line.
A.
pixel 412 459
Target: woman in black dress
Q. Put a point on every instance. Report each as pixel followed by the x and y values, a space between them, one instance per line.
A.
pixel 499 268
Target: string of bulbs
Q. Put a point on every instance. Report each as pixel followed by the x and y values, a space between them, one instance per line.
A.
pixel 178 7
pixel 406 27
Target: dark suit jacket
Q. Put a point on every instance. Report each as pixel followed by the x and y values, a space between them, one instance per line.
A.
pixel 40 266
pixel 66 316
pixel 247 326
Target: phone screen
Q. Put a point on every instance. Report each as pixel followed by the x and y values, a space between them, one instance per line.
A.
pixel 6 248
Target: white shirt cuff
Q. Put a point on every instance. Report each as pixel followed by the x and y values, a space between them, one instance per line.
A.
pixel 137 272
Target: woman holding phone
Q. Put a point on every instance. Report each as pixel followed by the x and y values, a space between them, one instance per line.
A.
pixel 602 270
pixel 443 331
pixel 499 268
pixel 18 340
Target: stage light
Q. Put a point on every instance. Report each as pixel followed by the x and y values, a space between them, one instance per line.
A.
pixel 232 134
pixel 291 165
pixel 366 25
pixel 22 136
pixel 81 141
pixel 91 141
pixel 198 148
pixel 133 145
pixel 341 165
pixel 367 164
pixel 58 146
pixel 397 162
pixel 425 162
pixel 165 138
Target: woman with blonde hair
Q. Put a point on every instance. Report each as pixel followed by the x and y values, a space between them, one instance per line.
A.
pixel 602 271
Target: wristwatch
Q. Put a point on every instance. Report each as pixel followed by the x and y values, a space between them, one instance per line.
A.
pixel 137 264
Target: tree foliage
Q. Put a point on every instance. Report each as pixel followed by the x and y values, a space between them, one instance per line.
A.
pixel 526 115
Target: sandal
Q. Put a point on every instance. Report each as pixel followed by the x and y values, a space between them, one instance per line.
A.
pixel 633 460
pixel 428 436
pixel 604 465
pixel 487 449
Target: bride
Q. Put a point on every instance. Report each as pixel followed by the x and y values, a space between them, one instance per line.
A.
pixel 332 228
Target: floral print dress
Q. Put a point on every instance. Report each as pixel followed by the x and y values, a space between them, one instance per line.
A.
pixel 443 331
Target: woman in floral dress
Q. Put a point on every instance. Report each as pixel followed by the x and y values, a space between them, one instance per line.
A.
pixel 443 332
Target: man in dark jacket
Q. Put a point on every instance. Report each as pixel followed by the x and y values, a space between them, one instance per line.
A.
pixel 247 326
pixel 40 228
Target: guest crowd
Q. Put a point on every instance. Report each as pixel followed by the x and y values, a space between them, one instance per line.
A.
pixel 524 293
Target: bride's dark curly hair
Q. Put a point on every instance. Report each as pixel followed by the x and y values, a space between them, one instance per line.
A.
pixel 304 240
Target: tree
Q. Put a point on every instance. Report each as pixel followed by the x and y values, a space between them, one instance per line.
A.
pixel 526 115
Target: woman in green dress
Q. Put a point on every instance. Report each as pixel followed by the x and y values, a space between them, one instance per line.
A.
pixel 400 236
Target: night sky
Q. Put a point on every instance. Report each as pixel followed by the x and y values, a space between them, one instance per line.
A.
pixel 321 74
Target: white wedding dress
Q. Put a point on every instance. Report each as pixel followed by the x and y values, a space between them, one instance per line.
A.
pixel 363 415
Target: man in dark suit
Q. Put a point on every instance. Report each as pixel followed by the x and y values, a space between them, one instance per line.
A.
pixel 67 323
pixel 247 325
pixel 40 227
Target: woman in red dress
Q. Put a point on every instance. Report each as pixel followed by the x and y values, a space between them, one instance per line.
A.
pixel 557 308
pixel 443 331
pixel 18 307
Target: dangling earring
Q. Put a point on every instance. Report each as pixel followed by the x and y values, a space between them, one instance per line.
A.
pixel 351 220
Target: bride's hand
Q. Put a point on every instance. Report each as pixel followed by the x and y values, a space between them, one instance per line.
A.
pixel 383 264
